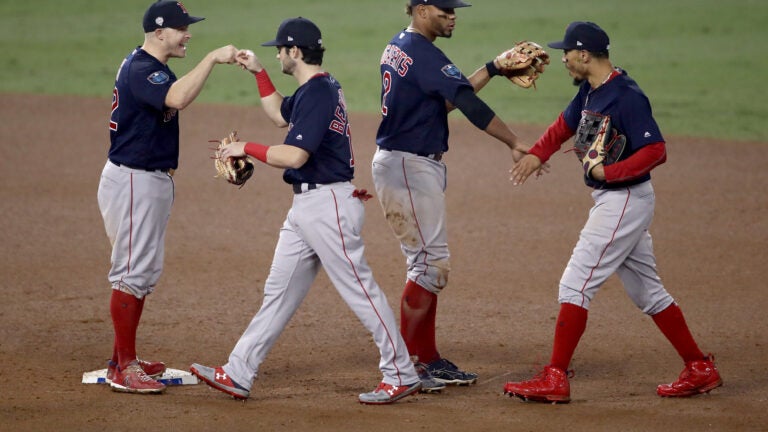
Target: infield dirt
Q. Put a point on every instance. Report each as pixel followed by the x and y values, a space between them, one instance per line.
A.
pixel 509 246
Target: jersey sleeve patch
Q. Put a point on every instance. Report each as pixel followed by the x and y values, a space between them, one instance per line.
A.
pixel 158 77
pixel 451 71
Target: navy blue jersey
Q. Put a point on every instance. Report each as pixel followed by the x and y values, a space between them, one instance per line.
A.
pixel 318 123
pixel 144 133
pixel 630 112
pixel 417 79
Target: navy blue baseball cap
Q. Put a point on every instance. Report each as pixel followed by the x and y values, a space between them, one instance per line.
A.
pixel 167 13
pixel 583 35
pixel 442 4
pixel 299 32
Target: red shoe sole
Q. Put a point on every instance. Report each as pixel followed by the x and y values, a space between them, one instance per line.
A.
pixel 701 390
pixel 408 392
pixel 215 385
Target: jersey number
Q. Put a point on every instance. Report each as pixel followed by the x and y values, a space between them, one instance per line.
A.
pixel 115 103
pixel 386 82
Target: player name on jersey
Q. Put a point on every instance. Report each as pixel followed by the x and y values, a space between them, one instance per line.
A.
pixel 397 59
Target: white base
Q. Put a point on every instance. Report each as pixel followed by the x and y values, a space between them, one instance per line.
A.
pixel 170 377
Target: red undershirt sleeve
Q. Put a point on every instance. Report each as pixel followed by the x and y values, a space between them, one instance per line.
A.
pixel 264 83
pixel 637 165
pixel 553 138
pixel 259 151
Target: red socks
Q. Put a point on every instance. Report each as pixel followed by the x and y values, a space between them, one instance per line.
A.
pixel 126 313
pixel 418 309
pixel 571 323
pixel 672 323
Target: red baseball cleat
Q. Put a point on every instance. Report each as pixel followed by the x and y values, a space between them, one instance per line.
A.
pixel 152 369
pixel 133 379
pixel 700 376
pixel 550 385
pixel 388 393
pixel 220 380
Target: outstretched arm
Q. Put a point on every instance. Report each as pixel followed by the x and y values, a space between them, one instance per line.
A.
pixel 187 88
pixel 483 75
pixel 502 132
pixel 271 99
pixel 479 79
pixel 551 141
pixel 483 117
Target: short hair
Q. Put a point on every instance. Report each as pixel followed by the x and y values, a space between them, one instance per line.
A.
pixel 313 55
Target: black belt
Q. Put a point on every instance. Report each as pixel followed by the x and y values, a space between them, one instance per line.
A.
pixel 434 156
pixel 297 189
pixel 165 170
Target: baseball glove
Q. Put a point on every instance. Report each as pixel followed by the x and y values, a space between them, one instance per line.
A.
pixel 597 142
pixel 523 63
pixel 236 170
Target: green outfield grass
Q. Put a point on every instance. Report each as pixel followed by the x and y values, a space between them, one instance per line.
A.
pixel 701 62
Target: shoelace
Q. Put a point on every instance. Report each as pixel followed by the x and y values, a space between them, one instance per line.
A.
pixel 144 377
pixel 542 376
pixel 687 372
pixel 140 374
pixel 448 365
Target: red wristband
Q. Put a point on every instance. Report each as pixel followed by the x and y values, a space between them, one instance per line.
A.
pixel 266 88
pixel 259 151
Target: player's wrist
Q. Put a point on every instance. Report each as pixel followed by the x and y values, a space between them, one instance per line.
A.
pixel 492 69
pixel 259 151
pixel 266 88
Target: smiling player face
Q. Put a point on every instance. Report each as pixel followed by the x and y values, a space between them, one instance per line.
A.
pixel 175 41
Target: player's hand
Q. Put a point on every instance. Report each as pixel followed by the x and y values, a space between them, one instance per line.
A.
pixel 248 61
pixel 235 149
pixel 525 167
pixel 519 151
pixel 518 154
pixel 598 172
pixel 226 54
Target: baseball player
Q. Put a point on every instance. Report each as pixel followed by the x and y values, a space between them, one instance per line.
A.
pixel 136 189
pixel 322 227
pixel 615 238
pixel 420 85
